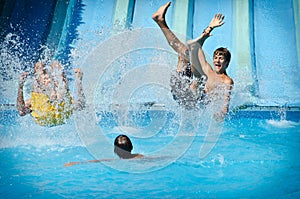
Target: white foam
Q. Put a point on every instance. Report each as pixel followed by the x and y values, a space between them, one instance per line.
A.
pixel 282 123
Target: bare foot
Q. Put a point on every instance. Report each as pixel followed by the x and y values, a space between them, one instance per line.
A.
pixel 78 73
pixel 159 15
pixel 39 66
pixel 56 64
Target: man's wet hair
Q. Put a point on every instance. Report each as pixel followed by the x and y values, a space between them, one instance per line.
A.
pixel 123 147
pixel 225 52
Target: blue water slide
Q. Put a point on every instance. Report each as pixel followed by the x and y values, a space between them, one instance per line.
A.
pixel 143 11
pixel 94 21
pixel 203 13
pixel 263 36
pixel 24 29
pixel 30 21
pixel 276 51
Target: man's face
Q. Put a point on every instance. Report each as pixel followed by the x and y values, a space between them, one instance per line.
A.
pixel 220 63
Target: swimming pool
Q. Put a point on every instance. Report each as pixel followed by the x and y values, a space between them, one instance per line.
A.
pixel 253 154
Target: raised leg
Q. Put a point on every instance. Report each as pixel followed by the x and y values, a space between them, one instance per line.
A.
pixel 42 80
pixel 174 42
pixel 80 103
pixel 59 82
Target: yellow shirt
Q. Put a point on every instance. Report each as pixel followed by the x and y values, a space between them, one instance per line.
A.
pixel 47 113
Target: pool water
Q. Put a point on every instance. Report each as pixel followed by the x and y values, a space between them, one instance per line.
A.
pixel 126 59
pixel 254 157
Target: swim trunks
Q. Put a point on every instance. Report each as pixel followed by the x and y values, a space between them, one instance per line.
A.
pixel 50 113
pixel 180 88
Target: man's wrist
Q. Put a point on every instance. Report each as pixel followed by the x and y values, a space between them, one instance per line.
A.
pixel 208 29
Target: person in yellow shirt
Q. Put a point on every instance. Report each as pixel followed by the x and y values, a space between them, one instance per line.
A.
pixel 51 103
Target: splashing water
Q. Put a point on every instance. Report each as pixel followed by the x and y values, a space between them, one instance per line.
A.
pixel 21 131
pixel 11 57
pixel 283 123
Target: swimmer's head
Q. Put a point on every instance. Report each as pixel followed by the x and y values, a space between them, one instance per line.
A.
pixel 123 146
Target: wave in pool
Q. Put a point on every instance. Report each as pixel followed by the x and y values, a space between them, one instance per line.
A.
pixel 282 123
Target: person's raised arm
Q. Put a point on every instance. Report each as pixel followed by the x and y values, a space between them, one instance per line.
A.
pixel 23 108
pixel 216 21
pixel 197 55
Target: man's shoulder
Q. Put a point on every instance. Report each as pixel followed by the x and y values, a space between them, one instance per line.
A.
pixel 228 80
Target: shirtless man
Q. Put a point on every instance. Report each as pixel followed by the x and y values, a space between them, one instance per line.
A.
pixel 51 103
pixel 196 65
pixel 219 84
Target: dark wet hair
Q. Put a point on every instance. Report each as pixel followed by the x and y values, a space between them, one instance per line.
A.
pixel 223 51
pixel 123 146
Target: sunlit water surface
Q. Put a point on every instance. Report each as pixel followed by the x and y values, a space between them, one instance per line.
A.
pixel 252 158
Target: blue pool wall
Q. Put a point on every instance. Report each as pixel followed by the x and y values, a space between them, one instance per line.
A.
pixel 262 35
